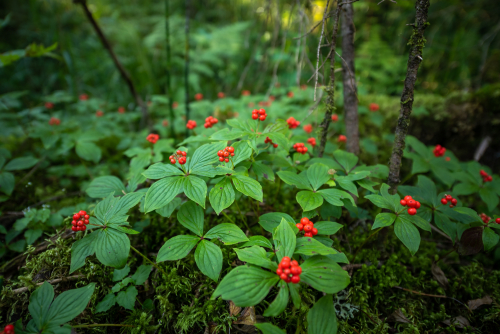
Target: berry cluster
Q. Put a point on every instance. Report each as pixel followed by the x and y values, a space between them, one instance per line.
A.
pixel 307 226
pixel 245 93
pixel 308 128
pixel 290 94
pixel 335 118
pixel 411 204
pixel 49 105
pixel 299 147
pixel 152 138
pixel 83 97
pixel 198 96
pixel 164 122
pixel 485 218
pixel 485 176
pixel 99 113
pixel 259 114
pixel 438 151
pixel 226 154
pixel 342 139
pixel 121 110
pixel 221 95
pixel 269 141
pixel 178 156
pixel 210 121
pixel 292 123
pixel 449 198
pixel 191 124
pixel 175 104
pixel 312 141
pixel 54 121
pixel 80 220
pixel 303 87
pixel 9 329
pixel 374 107
pixel 289 271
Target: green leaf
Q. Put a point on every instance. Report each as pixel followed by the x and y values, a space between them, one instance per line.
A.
pixel 368 184
pixel 122 284
pixel 408 234
pixel 20 163
pixel 345 159
pixel 246 286
pixel 126 298
pixel 294 293
pixel 490 238
pixel 278 138
pixel 256 255
pixel 489 197
pixel 191 217
pixel 294 180
pixel 105 304
pixel 470 214
pixel 380 202
pixel 258 240
pixel 229 234
pixel 334 196
pixel 7 182
pixel 428 190
pixel 39 305
pixel 284 240
pixel 32 235
pixel 176 248
pixel 208 257
pixel 269 221
pixel 279 303
pixel 318 175
pixel 203 158
pixel 383 219
pixel 417 221
pixel 162 192
pixel 243 152
pixel 125 203
pixel 263 171
pixel 248 186
pixel 222 195
pixel 445 224
pixel 142 274
pixel 327 227
pixel 465 188
pixel 195 189
pixel 321 318
pixel 392 199
pixel 309 246
pixel 227 135
pixel 21 223
pixel 324 274
pixel 309 200
pixel 167 210
pixel 69 304
pixel 88 151
pixel 18 246
pixel 268 328
pixel 161 170
pixel 119 274
pixel 347 185
pixel 102 186
pixel 112 248
pixel 81 249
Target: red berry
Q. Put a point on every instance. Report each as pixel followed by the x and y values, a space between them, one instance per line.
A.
pixel 407 198
pixel 299 226
pixel 183 153
pixel 9 328
pixel 78 228
pixel 226 154
pixel 86 221
pixel 444 201
pixel 295 270
pixel 449 197
pixel 412 211
pixel 232 154
pixel 262 112
pixel 74 228
pixel 172 161
pixel 417 205
pixel 283 276
pixel 73 223
pixel 308 228
pixel 287 271
pixel 402 202
pixel 275 145
pixel 411 203
pixel 83 228
pixel 483 173
pixel 221 159
pixel 226 160
pixel 255 116
pixel 288 279
pixel 82 213
pixel 335 118
pixel 453 201
pixel 294 263
pixel 279 271
pixel 79 223
pixel 308 234
pixel 231 149
pixel 295 279
pixel 314 231
pixel 451 205
pixel 87 217
pixel 285 259
pixel 497 220
pixel 262 117
pixel 304 220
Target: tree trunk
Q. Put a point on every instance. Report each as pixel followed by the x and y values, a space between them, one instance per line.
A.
pixel 416 42
pixel 169 70
pixel 349 80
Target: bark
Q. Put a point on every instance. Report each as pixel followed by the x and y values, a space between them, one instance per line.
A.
pixel 416 42
pixel 186 67
pixel 145 120
pixel 349 80
pixel 169 70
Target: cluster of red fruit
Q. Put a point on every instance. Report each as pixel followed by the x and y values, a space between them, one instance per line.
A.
pixel 264 103
pixel 485 176
pixel 411 204
pixel 83 97
pixel 312 141
pixel 307 226
pixel 198 96
pixel 80 220
pixel 121 110
pixel 269 141
pixel 439 151
pixel 299 147
pixel 210 121
pixel 54 121
pixel 245 93
pixel 152 138
pixel 335 117
pixel 308 128
pixel 292 123
pixel 259 114
pixel 374 107
pixel 99 113
pixel 9 329
pixel 178 156
pixel 449 198
pixel 191 124
pixel 342 139
pixel 289 271
pixel 221 95
pixel 485 218
pixel 226 154
pixel 49 105
pixel 290 94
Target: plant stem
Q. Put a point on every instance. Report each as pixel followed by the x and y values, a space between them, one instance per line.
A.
pixel 232 221
pixel 364 242
pixel 241 215
pixel 101 325
pixel 145 258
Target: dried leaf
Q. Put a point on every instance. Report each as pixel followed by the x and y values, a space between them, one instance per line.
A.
pixel 398 316
pixel 233 309
pixel 476 303
pixel 459 322
pixel 247 317
pixel 471 241
pixel 439 275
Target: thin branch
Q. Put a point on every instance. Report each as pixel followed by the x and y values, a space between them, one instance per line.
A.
pixel 169 70
pixel 428 295
pixel 186 64
pixel 319 47
pixel 54 281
